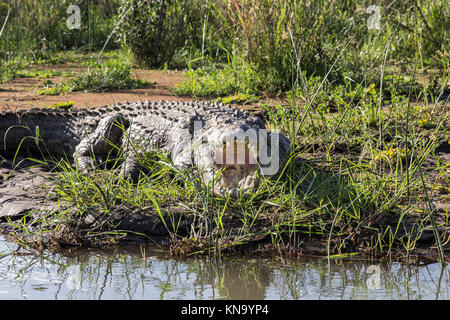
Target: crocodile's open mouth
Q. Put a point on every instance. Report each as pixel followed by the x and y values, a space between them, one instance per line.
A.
pixel 238 158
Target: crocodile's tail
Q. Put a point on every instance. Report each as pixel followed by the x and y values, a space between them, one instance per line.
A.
pixel 37 130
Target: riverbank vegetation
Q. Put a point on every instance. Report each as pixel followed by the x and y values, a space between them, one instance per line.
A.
pixel 363 91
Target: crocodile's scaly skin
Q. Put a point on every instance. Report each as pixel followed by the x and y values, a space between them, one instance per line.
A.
pixel 192 133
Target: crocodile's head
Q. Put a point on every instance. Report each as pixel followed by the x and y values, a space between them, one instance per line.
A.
pixel 235 165
pixel 229 159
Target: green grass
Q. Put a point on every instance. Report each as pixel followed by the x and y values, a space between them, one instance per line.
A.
pixel 236 77
pixel 109 76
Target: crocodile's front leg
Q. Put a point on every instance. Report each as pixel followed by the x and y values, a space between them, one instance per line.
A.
pixel 106 136
pixel 175 143
pixel 181 151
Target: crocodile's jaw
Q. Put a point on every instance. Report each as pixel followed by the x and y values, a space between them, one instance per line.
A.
pixel 229 167
pixel 237 162
pixel 234 183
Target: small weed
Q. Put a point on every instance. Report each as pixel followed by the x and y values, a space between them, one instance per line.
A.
pixel 240 98
pixel 392 153
pixel 61 105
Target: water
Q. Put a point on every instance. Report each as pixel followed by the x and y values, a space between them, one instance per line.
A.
pixel 132 273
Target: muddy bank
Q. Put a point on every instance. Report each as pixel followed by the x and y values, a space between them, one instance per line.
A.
pixel 27 207
pixel 30 214
pixel 25 195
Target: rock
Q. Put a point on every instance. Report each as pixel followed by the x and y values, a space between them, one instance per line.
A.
pixel 22 192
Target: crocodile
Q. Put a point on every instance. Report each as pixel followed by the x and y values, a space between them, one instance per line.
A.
pixel 230 148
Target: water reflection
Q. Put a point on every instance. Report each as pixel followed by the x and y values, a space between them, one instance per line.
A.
pixel 139 274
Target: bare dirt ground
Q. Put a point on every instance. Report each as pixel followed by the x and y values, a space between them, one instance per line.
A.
pixel 22 93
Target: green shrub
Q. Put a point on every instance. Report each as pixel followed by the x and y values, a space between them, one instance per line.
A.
pixel 155 30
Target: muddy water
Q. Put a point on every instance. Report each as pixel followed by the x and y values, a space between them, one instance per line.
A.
pixel 138 273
